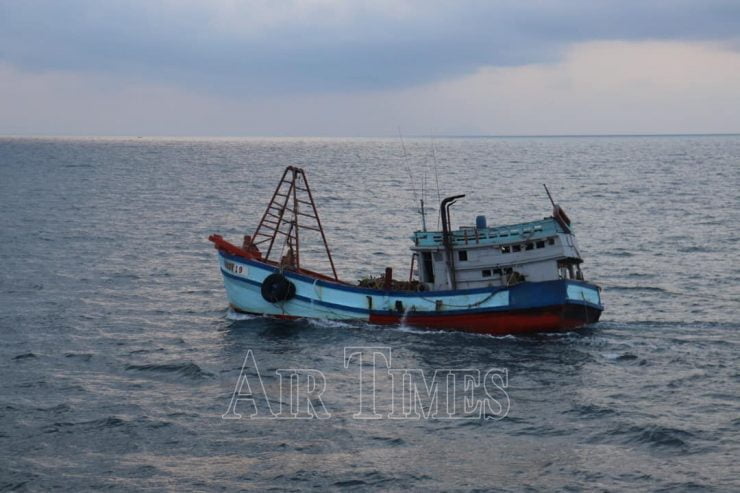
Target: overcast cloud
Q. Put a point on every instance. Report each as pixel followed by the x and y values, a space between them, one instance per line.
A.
pixel 284 57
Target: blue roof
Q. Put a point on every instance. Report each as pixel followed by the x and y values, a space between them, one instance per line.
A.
pixel 499 235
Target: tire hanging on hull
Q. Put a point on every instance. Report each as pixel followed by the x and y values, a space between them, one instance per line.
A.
pixel 276 288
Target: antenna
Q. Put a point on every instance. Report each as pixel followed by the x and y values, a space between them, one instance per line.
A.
pixel 558 213
pixel 548 195
pixel 406 162
pixel 423 216
pixel 411 179
pixel 421 209
pixel 436 179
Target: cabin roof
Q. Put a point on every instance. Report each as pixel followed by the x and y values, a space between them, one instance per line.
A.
pixel 498 235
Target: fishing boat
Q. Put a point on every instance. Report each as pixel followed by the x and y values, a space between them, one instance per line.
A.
pixel 518 278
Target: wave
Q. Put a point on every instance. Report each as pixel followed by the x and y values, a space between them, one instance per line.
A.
pixel 189 369
pixel 591 411
pixel 389 440
pixel 77 166
pixel 238 317
pixel 620 254
pixel 620 356
pixel 376 479
pixel 105 423
pixel 568 334
pixel 653 436
pixel 334 324
pixel 97 424
pixel 417 330
pixel 81 356
pixel 655 289
pixel 25 356
pixel 58 409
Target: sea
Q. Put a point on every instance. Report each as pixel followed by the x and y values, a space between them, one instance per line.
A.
pixel 122 367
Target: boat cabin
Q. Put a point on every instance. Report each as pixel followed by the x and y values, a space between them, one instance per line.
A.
pixel 479 256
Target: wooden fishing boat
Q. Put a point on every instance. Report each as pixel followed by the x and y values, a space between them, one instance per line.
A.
pixel 518 278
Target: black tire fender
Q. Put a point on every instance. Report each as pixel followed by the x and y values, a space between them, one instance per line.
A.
pixel 276 288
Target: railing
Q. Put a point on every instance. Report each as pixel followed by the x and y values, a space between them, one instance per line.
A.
pixel 497 235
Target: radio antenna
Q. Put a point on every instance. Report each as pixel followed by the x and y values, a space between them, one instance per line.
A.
pixel 548 195
pixel 411 179
pixel 436 179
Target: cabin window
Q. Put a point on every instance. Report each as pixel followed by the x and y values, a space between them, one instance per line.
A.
pixel 540 244
pixel 516 248
pixel 529 246
pixel 498 271
pixel 427 266
pixel 505 249
pixel 486 273
pixel 462 255
pixel 551 241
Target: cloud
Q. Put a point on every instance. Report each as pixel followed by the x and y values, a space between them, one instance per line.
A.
pixel 323 46
pixel 597 87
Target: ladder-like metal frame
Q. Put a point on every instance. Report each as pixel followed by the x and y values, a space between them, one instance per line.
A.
pixel 284 210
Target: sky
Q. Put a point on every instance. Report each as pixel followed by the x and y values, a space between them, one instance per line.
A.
pixel 369 68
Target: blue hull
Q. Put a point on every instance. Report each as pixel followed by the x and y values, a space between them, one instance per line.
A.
pixel 525 307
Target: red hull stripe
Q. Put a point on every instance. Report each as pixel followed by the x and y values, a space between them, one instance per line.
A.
pixel 552 319
pixel 513 322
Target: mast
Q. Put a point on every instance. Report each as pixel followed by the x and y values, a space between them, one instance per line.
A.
pixel 423 217
pixel 281 218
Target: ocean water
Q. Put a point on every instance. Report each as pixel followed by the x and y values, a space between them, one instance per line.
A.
pixel 119 355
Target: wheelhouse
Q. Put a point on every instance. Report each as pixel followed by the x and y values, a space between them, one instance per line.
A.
pixel 479 256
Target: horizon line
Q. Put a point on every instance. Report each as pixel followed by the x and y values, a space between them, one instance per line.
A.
pixel 411 136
